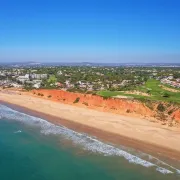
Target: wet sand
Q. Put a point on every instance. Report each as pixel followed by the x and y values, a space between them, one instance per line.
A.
pixel 137 133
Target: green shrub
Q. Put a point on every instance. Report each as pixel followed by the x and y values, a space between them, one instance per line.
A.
pixel 105 97
pixel 166 95
pixel 170 111
pixel 76 100
pixel 149 105
pixel 161 107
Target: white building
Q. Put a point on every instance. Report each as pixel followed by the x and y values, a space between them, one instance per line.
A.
pixel 38 76
pixel 22 79
pixel 37 85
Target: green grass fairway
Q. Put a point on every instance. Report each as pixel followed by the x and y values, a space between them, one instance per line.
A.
pixel 152 86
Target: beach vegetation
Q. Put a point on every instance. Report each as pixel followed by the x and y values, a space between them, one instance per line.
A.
pixel 170 111
pixel 165 94
pixel 77 100
pixel 106 97
pixel 161 107
pixel 149 104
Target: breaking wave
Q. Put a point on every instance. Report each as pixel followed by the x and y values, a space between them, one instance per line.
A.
pixel 87 142
pixel 19 131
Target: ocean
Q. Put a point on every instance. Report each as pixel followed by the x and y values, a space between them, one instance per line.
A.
pixel 32 148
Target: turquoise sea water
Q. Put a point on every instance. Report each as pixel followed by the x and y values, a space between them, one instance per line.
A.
pixel 34 149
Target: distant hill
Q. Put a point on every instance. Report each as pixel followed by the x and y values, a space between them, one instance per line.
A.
pixel 41 64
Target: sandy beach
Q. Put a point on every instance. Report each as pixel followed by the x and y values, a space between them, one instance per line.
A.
pixel 133 131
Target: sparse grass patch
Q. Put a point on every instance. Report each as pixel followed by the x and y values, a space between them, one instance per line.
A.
pixel 170 111
pixel 149 105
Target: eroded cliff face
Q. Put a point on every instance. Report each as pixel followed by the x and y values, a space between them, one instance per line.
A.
pixel 119 106
pixel 176 115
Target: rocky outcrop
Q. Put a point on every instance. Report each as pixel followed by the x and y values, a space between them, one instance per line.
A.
pixel 119 106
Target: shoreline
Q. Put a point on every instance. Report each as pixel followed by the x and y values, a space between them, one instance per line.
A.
pixel 149 148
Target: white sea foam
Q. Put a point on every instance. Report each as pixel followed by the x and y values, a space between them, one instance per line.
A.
pixel 19 131
pixel 87 142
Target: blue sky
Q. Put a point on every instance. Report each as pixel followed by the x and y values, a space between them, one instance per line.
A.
pixel 90 30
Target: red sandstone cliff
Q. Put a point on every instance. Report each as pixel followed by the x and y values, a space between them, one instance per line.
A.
pixel 119 106
pixel 176 115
